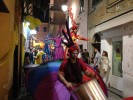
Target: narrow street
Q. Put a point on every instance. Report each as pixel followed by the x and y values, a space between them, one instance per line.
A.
pixel 24 95
pixel 51 46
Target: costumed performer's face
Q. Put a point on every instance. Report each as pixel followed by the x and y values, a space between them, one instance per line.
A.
pixel 74 54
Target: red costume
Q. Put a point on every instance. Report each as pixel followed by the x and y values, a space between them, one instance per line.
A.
pixel 75 36
pixel 74 29
pixel 73 71
pixel 81 66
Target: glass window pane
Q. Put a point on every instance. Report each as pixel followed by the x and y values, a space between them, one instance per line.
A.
pixel 117 59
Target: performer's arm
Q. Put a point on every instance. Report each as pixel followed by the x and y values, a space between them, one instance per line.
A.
pixel 61 77
pixel 82 38
pixel 85 69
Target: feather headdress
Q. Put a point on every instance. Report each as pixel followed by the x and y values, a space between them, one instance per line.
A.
pixel 70 44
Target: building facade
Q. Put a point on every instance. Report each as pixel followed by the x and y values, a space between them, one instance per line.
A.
pixel 112 21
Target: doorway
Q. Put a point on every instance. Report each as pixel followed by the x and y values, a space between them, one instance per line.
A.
pixel 81 47
pixel 117 63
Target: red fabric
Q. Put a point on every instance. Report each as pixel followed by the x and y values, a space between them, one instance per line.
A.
pixel 128 98
pixel 98 77
pixel 72 48
pixel 74 27
pixel 47 83
pixel 75 36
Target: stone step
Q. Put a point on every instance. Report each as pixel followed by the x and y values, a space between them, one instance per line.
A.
pixel 115 91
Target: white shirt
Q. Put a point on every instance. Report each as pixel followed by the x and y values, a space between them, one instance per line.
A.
pixel 97 59
pixel 79 55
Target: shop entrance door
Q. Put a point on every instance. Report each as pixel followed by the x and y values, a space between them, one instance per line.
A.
pixel 116 79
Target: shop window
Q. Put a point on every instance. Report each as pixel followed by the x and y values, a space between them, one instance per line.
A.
pixel 117 58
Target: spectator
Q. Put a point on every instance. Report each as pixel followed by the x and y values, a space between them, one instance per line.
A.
pixel 26 58
pixel 86 56
pixel 105 68
pixel 39 57
pixel 97 58
pixel 31 56
pixel 79 55
pixel 91 61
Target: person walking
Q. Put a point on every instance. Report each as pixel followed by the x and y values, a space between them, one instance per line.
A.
pixel 26 58
pixel 97 58
pixel 105 68
pixel 31 56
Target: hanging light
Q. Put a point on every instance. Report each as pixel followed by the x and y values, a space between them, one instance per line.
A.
pixel 64 8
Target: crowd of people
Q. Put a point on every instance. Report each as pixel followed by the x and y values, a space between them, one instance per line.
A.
pixel 97 61
pixel 35 56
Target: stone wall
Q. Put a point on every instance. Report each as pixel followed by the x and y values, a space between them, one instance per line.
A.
pixel 7 46
pixel 106 10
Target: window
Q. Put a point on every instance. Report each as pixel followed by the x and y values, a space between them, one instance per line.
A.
pixel 117 58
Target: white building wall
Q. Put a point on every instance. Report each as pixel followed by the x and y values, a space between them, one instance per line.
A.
pixel 126 33
pixel 128 65
pixel 83 25
pixel 120 27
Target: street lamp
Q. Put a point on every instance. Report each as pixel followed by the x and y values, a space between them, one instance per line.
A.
pixel 64 8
